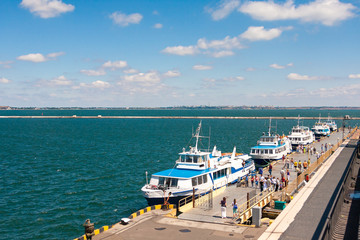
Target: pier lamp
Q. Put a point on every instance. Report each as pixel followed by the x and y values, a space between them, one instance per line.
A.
pixel 89 229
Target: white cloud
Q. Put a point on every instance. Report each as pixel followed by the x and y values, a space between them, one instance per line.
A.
pixel 100 84
pixel 158 26
pixel 115 65
pixel 277 66
pixel 60 81
pixel 38 57
pixel 47 8
pixel 224 47
pixel 55 55
pixel 124 20
pixel 130 71
pixel 145 79
pixel 93 72
pixel 4 80
pixel 220 54
pixel 250 69
pixel 202 67
pixel 223 9
pixel 327 12
pixel 96 84
pixel 32 57
pixel 295 76
pixel 261 34
pixel 172 73
pixel 354 76
pixel 181 50
pixel 226 43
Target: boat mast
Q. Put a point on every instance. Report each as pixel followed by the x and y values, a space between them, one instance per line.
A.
pixel 197 135
pixel 270 127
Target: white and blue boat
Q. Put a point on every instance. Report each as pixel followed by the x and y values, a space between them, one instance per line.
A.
pixel 301 135
pixel 321 129
pixel 198 171
pixel 270 147
pixel 331 123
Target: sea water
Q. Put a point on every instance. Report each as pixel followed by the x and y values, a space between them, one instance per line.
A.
pixel 56 173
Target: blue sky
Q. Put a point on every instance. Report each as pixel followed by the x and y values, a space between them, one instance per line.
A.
pixel 173 53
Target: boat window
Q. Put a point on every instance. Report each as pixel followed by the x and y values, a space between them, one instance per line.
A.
pixel 189 159
pixel 200 180
pixel 266 151
pixel 271 151
pixel 262 151
pixel 194 181
pixel 182 158
pixel 167 182
pixel 204 178
pixel 174 182
pixel 161 181
pixel 195 159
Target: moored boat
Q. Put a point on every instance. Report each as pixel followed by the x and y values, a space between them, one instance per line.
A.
pixel 321 129
pixel 198 171
pixel 270 147
pixel 301 135
pixel 331 123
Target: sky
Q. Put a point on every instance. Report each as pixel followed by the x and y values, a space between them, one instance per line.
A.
pixel 146 53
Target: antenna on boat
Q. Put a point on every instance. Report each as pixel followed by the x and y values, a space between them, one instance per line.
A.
pixel 209 138
pixel 146 174
pixel 299 120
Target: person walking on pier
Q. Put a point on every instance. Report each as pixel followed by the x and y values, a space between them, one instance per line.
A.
pixel 252 181
pixel 270 168
pixel 256 182
pixel 305 165
pixel 295 165
pixel 300 165
pixel 292 163
pixel 235 208
pixel 223 207
pixel 262 180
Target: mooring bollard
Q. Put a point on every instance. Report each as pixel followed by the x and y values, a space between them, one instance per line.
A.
pixel 89 229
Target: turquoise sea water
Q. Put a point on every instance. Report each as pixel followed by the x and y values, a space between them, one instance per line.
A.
pixel 56 173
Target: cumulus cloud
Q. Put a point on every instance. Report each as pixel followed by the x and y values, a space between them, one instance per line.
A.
pixel 124 20
pixel 224 47
pixel 96 84
pixel 224 8
pixel 181 50
pixel 277 66
pixel 158 26
pixel 32 57
pixel 115 65
pixel 326 12
pixel 226 43
pixel 202 67
pixel 47 8
pixel 4 80
pixel 60 81
pixel 93 72
pixel 146 79
pixel 354 76
pixel 296 76
pixel 38 57
pixel 262 34
pixel 172 73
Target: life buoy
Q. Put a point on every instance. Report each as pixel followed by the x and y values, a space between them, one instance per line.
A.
pixel 208 163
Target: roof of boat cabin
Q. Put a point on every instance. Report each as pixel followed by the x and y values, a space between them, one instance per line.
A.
pixel 181 173
pixel 267 146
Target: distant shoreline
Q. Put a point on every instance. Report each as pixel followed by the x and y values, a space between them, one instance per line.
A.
pixel 183 108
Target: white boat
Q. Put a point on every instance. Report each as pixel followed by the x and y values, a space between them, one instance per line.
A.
pixel 321 128
pixel 331 123
pixel 270 147
pixel 301 135
pixel 197 171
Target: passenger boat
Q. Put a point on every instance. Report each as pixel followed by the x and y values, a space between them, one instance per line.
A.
pixel 198 171
pixel 270 147
pixel 301 135
pixel 321 129
pixel 331 123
